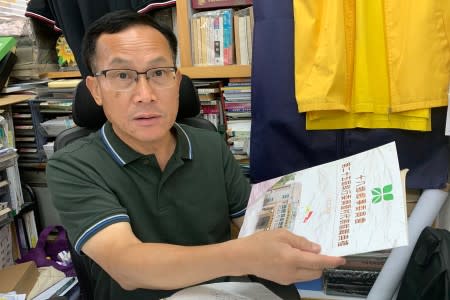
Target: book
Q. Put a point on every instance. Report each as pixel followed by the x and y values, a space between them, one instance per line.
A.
pixel 371 261
pixel 201 4
pixel 349 206
pixel 249 27
pixel 195 40
pixel 31 230
pixel 60 288
pixel 243 34
pixel 346 290
pixel 347 282
pixel 348 276
pixel 24 86
pixel 64 83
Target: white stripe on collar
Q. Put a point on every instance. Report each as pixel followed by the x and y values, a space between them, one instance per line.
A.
pixel 120 160
pixel 187 138
pixel 110 149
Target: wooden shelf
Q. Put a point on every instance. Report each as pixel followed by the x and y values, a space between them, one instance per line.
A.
pixel 56 75
pixel 14 98
pixel 230 71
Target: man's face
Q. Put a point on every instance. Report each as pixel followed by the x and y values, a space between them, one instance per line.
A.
pixel 143 116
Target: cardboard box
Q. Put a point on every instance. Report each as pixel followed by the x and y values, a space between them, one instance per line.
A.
pixel 20 278
pixel 412 196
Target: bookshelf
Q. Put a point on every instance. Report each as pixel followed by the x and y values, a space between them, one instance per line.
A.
pixel 184 12
pixel 18 224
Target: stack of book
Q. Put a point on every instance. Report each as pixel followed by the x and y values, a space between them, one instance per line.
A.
pixel 357 276
pixel 38 121
pixel 209 94
pixel 237 95
pixel 237 107
pixel 55 107
pixel 212 37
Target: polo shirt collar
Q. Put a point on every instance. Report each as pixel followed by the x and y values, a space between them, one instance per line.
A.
pixel 123 154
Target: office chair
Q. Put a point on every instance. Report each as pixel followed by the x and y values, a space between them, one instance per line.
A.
pixel 89 117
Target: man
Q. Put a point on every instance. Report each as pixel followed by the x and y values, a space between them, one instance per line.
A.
pixel 148 200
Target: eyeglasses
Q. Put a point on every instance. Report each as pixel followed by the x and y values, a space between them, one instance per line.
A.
pixel 125 79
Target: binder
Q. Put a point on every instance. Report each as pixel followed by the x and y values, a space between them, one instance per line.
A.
pixel 7 43
pixel 6 66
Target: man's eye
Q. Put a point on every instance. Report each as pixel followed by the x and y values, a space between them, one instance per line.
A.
pixel 123 75
pixel 158 73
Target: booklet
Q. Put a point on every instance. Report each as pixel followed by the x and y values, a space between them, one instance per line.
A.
pixel 352 205
pixel 225 291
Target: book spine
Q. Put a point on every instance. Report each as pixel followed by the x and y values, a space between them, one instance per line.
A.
pixel 347 289
pixel 349 276
pixel 204 40
pixel 368 263
pixel 195 37
pixel 218 47
pixel 228 44
pixel 208 90
pixel 237 44
pixel 243 40
pixel 249 38
pixel 237 105
pixel 210 45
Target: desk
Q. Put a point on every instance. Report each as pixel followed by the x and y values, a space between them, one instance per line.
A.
pixel 316 295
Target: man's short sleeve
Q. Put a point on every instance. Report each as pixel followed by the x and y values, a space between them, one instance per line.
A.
pixel 84 201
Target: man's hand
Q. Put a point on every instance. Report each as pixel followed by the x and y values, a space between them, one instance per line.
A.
pixel 283 257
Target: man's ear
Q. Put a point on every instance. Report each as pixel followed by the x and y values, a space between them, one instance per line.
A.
pixel 94 88
pixel 178 75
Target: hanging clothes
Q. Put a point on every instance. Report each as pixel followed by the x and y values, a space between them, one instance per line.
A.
pixel 73 17
pixel 369 105
pixel 280 144
pixel 418 44
pixel 342 44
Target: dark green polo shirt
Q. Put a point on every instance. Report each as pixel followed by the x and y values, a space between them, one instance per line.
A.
pixel 99 180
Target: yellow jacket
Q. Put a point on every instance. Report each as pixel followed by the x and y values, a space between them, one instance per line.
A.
pixel 360 64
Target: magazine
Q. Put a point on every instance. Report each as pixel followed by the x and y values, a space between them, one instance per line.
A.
pixel 352 205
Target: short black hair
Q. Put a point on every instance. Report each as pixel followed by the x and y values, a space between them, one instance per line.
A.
pixel 118 21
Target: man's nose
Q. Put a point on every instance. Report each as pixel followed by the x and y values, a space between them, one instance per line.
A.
pixel 144 88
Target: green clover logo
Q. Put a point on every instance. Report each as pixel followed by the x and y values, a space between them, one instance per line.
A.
pixel 384 193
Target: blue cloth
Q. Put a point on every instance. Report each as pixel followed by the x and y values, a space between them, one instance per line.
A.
pixel 280 143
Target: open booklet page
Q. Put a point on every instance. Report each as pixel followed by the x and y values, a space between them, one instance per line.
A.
pixel 348 206
pixel 225 291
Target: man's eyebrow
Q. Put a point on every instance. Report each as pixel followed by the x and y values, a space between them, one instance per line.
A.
pixel 152 62
pixel 158 60
pixel 118 60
